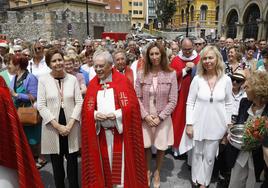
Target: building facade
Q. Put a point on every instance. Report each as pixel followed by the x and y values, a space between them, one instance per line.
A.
pixel 202 16
pixel 137 11
pixel 244 19
pixel 57 18
pixel 151 11
pixel 113 6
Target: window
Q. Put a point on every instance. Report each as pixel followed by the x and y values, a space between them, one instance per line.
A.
pixel 182 16
pixel 129 12
pixel 203 12
pixel 140 12
pixel 192 13
pixel 130 3
pixel 136 4
pixel 140 4
pixel 135 12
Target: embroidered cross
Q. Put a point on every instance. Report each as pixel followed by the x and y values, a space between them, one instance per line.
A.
pixel 91 103
pixel 123 99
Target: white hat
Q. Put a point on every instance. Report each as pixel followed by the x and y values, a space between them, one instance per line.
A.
pixel 4 45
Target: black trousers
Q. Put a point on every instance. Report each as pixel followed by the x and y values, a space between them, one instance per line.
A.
pixel 59 172
pixel 57 161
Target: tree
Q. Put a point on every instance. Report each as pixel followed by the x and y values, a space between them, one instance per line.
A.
pixel 165 10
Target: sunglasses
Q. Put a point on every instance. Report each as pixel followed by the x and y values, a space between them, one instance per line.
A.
pixel 198 44
pixel 26 55
pixel 38 48
pixel 239 81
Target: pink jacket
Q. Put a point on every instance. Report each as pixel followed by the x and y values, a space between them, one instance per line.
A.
pixel 166 93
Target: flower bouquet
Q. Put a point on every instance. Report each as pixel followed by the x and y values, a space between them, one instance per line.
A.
pixel 255 130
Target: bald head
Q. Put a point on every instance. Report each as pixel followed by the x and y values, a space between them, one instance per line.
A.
pixel 187 47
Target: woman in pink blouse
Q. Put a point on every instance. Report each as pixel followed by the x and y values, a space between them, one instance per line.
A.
pixel 157 90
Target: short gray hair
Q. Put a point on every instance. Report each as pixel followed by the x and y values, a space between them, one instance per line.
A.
pixel 103 54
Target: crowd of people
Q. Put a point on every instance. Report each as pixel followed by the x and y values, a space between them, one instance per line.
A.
pixel 121 103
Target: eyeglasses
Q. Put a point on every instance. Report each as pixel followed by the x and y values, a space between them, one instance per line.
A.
pixel 239 81
pixel 26 55
pixel 198 44
pixel 38 48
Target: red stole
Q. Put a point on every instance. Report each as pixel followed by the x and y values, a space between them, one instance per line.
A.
pixel 15 152
pixel 179 113
pixel 92 163
pixel 129 75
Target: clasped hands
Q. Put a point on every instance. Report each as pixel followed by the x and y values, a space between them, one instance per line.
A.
pixel 64 130
pixel 106 120
pixel 152 120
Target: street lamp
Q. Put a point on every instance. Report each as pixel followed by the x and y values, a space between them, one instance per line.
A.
pixel 87 18
pixel 187 17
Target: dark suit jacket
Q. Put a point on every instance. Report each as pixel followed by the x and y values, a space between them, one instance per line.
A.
pixel 232 152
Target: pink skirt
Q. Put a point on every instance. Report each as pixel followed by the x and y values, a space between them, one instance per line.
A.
pixel 160 137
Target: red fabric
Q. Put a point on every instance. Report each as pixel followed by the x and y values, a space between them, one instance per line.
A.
pixel 114 177
pixel 129 74
pixel 179 114
pixel 135 166
pixel 15 151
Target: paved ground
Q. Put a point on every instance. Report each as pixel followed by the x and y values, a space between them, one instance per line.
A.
pixel 175 174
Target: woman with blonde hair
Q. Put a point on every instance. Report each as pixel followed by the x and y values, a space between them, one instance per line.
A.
pixel 208 112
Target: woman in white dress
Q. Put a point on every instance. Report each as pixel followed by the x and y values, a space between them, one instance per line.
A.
pixel 208 112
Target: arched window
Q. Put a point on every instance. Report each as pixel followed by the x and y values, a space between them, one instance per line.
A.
pixel 182 16
pixel 192 13
pixel 217 13
pixel 203 12
pixel 252 14
pixel 232 19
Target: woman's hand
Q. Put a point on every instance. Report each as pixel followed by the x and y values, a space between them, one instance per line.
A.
pixel 13 93
pixel 156 120
pixel 111 116
pixel 63 130
pixel 189 131
pixel 150 120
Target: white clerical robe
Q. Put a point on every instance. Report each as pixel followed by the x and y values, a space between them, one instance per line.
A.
pixel 8 178
pixel 106 105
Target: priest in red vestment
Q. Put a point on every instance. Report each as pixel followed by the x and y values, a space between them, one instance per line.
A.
pixel 120 61
pixel 185 65
pixel 112 143
pixel 17 166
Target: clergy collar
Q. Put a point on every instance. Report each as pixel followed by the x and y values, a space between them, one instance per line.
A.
pixel 108 79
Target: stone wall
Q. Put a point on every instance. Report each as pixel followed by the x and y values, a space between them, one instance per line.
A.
pixel 30 25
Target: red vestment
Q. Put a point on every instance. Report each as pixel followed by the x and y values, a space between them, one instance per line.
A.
pixel 179 114
pixel 92 162
pixel 129 74
pixel 15 152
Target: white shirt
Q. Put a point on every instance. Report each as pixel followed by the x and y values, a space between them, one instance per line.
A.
pixel 38 69
pixel 236 101
pixel 209 119
pixel 8 178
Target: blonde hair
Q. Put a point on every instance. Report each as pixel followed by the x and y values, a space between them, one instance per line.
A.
pixel 220 67
pixel 258 81
pixel 68 58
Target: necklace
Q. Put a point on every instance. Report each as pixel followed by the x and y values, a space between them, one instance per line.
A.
pixel 211 88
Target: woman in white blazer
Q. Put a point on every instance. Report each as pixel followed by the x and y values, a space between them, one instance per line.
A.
pixel 59 102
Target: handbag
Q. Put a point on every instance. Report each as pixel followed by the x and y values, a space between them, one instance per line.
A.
pixel 29 116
